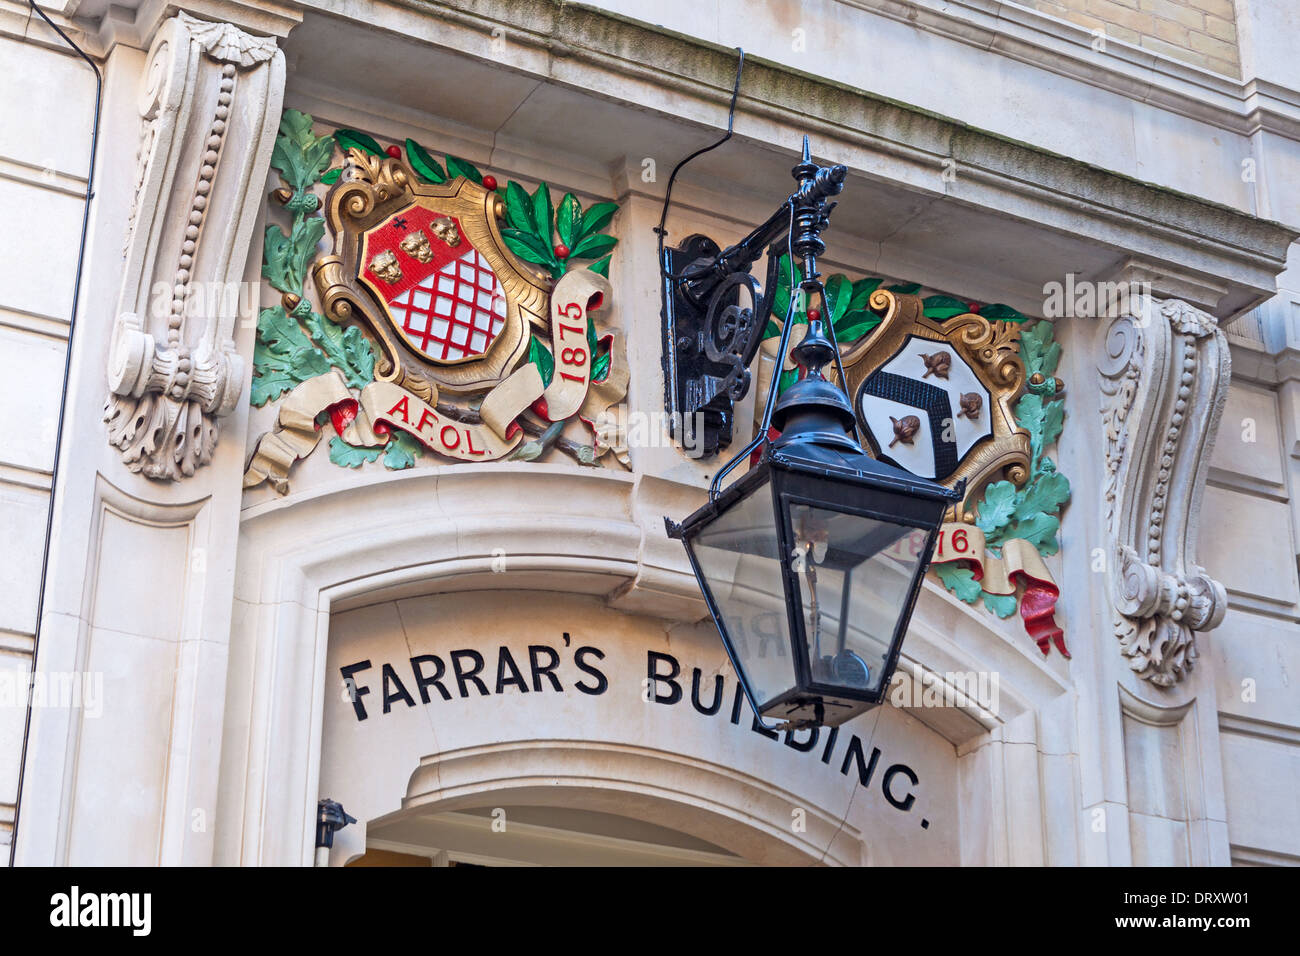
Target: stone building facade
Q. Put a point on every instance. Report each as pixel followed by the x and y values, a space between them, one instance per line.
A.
pixel 238 580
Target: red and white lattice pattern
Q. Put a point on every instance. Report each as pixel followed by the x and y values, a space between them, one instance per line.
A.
pixel 453 313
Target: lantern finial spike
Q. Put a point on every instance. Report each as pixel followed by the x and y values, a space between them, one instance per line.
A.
pixel 807 153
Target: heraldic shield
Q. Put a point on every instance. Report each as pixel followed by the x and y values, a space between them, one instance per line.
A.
pixel 424 267
pixel 935 397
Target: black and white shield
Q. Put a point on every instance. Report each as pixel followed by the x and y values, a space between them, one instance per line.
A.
pixel 924 409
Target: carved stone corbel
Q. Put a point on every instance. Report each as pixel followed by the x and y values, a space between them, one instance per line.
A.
pixel 210 106
pixel 1164 380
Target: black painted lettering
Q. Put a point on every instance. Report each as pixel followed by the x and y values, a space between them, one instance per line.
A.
pixel 714 707
pixel 535 651
pixel 468 675
pixel 906 803
pixel 422 683
pixel 393 689
pixel 758 728
pixel 355 690
pixel 506 662
pixel 735 705
pixel 602 684
pixel 830 745
pixel 854 755
pixel 653 660
pixel 803 746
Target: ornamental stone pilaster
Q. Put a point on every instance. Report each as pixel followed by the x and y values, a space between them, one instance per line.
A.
pixel 1165 375
pixel 209 108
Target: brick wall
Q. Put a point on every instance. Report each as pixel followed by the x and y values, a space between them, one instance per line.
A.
pixel 1200 32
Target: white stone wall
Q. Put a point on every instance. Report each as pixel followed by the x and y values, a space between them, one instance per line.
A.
pixel 46 116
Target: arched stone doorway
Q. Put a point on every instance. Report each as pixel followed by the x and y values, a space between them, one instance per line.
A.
pixel 527 834
pixel 468 700
pixel 320 590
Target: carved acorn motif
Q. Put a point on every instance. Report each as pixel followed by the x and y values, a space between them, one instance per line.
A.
pixel 938 364
pixel 972 403
pixel 905 429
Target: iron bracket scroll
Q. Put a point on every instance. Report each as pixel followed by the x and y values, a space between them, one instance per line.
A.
pixel 711 336
pixel 712 308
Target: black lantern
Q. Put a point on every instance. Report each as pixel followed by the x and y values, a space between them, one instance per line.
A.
pixel 812 561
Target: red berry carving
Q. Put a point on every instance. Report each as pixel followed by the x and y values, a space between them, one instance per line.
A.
pixel 561 251
pixel 973 307
pixel 394 151
pixel 489 182
pixel 814 315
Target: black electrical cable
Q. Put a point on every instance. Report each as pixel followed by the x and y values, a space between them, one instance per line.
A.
pixel 668 194
pixel 63 405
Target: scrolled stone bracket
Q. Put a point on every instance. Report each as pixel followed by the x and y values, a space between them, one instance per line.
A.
pixel 209 108
pixel 138 366
pixel 1165 376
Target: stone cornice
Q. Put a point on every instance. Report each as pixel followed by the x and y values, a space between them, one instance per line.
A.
pixel 1066 49
pixel 623 60
pixel 1018 32
pixel 610 56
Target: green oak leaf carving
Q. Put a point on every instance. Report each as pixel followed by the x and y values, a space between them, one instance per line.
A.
pixel 283 356
pixel 958 579
pixel 1043 420
pixel 534 449
pixel 300 156
pixel 347 349
pixel 1047 494
pixel 1003 605
pixel 997 507
pixel 1039 529
pixel 1038 348
pixel 401 451
pixel 351 456
pixel 285 258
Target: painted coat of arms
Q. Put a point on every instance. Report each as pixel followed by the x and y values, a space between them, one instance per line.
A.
pixel 454 318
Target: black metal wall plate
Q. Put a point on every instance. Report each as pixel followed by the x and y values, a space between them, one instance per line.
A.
pixel 707 348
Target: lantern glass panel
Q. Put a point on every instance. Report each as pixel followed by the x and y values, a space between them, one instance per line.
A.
pixel 738 554
pixel 855 576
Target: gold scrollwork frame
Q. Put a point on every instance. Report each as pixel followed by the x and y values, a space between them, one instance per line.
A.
pixel 991 349
pixel 370 190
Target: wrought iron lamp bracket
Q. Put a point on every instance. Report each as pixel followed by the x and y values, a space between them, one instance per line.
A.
pixel 710 337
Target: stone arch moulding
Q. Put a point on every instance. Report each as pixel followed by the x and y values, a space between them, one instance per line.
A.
pixel 356 542
pixel 629 780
